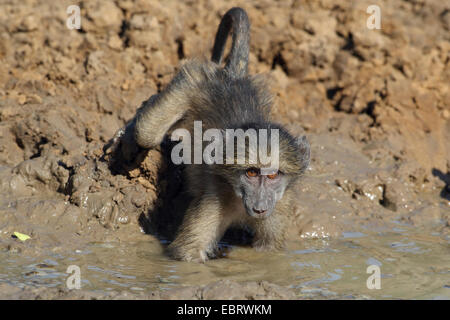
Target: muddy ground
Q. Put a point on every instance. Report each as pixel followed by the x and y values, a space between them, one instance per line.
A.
pixel 375 105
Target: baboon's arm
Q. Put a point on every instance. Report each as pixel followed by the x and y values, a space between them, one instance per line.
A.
pixel 202 227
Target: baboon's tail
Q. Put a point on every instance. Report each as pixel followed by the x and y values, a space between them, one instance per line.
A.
pixel 236 20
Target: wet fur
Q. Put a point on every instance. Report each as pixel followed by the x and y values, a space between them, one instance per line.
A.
pixel 222 98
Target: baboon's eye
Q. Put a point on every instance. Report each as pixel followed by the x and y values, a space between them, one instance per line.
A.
pixel 272 176
pixel 252 172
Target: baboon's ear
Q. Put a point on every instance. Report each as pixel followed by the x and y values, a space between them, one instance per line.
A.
pixel 305 151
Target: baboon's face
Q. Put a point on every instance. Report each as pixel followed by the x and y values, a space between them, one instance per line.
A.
pixel 260 192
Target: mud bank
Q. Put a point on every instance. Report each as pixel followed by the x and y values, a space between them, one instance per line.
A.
pixel 373 103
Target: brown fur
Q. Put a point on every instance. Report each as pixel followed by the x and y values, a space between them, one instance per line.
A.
pixel 222 98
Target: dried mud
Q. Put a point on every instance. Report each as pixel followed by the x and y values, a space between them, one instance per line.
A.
pixel 373 103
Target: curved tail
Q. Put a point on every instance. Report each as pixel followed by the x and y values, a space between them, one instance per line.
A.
pixel 236 20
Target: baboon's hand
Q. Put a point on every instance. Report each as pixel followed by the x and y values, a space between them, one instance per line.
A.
pixel 185 253
pixel 123 147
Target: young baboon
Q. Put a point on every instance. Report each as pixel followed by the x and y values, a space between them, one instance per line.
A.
pixel 225 194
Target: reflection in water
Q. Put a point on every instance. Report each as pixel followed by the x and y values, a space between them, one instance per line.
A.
pixel 413 264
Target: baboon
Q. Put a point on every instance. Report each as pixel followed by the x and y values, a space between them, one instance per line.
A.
pixel 223 194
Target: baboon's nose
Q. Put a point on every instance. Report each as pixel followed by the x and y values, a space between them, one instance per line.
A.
pixel 259 211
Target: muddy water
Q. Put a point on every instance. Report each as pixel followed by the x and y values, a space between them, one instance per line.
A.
pixel 414 264
pixel 360 217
